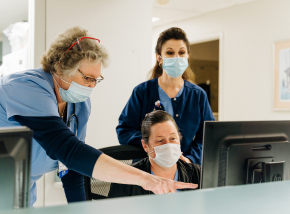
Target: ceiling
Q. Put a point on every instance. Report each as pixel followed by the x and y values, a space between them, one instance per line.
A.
pixel 177 10
pixel 12 11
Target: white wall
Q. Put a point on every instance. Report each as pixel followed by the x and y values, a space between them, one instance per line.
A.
pixel 125 29
pixel 36 41
pixel 249 31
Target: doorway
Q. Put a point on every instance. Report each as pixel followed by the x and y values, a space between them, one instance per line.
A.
pixel 204 62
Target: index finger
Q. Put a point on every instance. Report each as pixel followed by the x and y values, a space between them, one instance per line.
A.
pixel 182 185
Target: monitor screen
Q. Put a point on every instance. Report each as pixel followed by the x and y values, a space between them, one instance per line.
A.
pixel 237 153
pixel 15 161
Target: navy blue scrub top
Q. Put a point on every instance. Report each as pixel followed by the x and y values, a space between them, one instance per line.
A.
pixel 190 109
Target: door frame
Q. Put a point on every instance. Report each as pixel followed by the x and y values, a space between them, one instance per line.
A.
pixel 207 37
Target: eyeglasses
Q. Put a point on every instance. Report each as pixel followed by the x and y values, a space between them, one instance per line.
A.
pixel 79 44
pixel 89 80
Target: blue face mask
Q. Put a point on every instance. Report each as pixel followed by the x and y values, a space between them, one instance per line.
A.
pixel 76 92
pixel 176 66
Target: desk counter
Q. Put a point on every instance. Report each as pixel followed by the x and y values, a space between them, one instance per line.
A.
pixel 256 198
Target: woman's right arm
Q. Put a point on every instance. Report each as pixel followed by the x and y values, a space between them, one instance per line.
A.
pixel 129 128
pixel 61 144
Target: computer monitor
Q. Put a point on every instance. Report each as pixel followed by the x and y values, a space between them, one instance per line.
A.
pixel 15 161
pixel 234 153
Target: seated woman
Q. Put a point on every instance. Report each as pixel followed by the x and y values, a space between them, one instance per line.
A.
pixel 161 140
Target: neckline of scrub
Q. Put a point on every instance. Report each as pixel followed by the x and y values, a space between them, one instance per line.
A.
pixel 178 94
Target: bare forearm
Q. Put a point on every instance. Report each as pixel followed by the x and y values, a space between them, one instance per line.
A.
pixel 111 170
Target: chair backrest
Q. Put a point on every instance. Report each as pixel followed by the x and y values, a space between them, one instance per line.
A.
pixel 96 189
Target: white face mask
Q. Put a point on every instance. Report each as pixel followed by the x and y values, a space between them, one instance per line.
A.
pixel 175 66
pixel 167 154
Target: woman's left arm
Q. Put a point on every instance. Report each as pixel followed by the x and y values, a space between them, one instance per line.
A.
pixel 206 115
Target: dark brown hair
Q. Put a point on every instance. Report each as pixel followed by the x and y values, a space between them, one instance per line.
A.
pixel 177 34
pixel 153 118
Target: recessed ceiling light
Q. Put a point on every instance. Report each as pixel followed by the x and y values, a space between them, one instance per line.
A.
pixel 155 19
pixel 220 1
pixel 162 2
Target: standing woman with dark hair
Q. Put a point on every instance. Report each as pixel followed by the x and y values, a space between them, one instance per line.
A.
pixel 171 89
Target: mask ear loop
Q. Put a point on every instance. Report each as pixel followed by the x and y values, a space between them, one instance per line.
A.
pixel 160 65
pixel 60 79
pixel 55 80
pixel 150 153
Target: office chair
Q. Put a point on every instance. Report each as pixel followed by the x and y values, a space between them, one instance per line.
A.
pixel 96 189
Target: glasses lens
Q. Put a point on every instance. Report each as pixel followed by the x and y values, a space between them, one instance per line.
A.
pixel 89 80
pixel 100 79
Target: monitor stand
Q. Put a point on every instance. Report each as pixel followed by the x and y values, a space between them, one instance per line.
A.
pixel 264 170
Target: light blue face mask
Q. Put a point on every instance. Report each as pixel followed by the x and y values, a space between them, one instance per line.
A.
pixel 176 66
pixel 76 93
